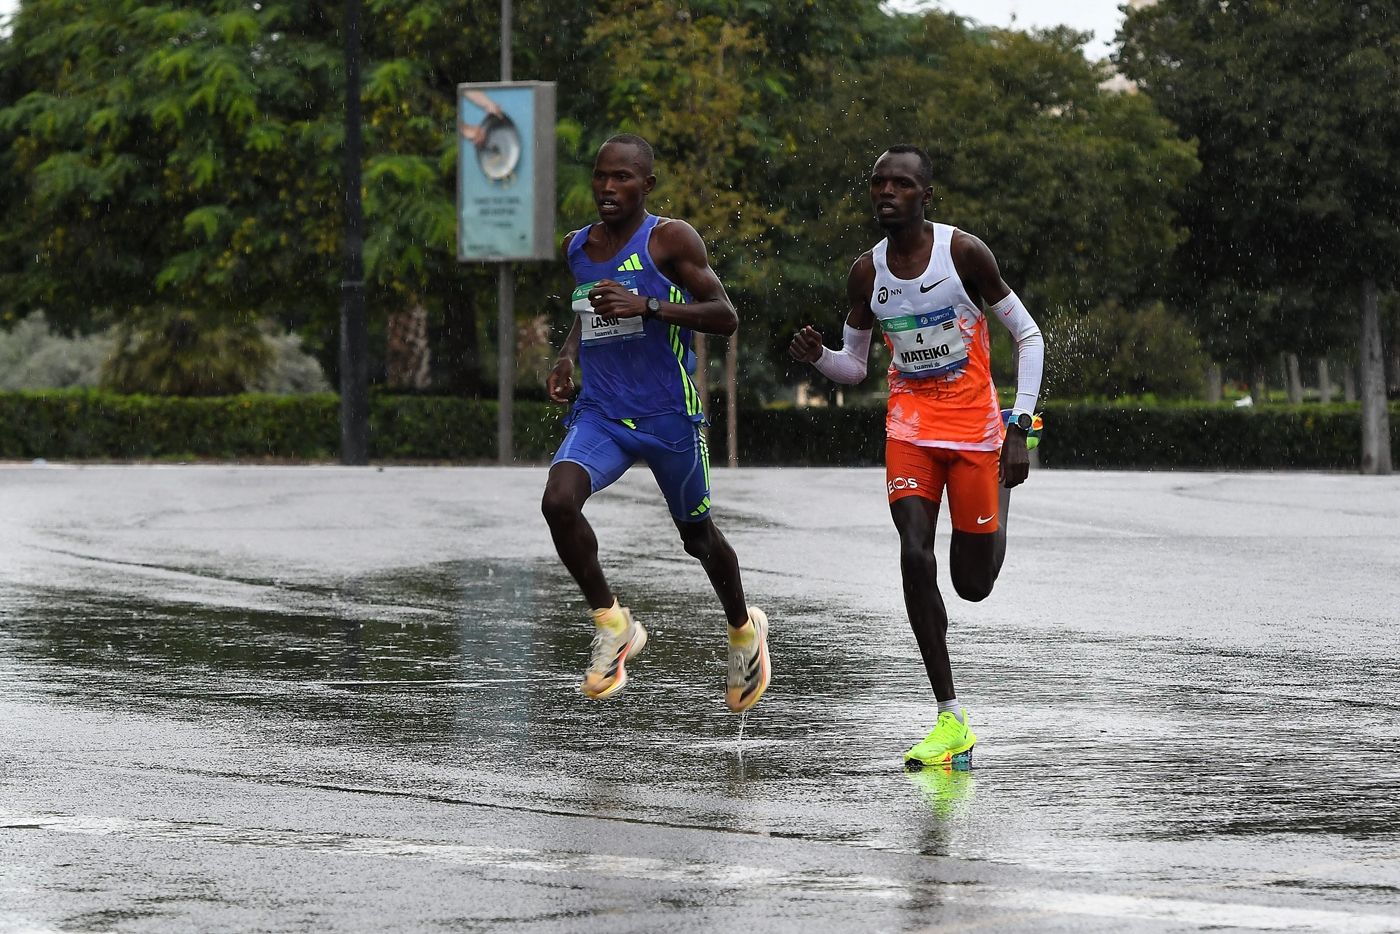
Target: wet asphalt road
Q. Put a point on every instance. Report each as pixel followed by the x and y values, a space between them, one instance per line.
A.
pixel 327 699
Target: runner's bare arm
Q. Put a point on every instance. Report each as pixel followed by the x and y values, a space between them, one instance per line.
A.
pixel 848 365
pixel 559 385
pixel 560 382
pixel 680 254
pixel 977 268
pixel 859 284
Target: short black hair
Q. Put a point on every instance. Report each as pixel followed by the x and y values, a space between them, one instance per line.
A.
pixel 641 145
pixel 925 163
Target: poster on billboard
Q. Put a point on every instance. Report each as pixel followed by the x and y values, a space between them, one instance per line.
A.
pixel 505 171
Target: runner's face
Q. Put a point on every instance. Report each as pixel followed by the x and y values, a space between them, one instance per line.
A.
pixel 620 182
pixel 896 192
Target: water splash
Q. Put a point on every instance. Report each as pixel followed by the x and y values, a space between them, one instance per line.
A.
pixel 739 742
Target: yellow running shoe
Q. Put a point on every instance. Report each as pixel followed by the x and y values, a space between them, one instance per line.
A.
pixel 749 668
pixel 618 638
pixel 950 737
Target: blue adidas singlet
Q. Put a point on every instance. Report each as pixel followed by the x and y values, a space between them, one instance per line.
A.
pixel 632 368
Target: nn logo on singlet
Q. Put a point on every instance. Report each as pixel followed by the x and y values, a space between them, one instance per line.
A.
pixel 633 263
pixel 884 294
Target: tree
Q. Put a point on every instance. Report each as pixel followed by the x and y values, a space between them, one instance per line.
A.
pixel 1296 213
pixel 186 156
pixel 171 155
pixel 173 353
pixel 1071 185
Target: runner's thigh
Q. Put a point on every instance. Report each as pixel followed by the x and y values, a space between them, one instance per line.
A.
pixel 972 490
pixel 593 442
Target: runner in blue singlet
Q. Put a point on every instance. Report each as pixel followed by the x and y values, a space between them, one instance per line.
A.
pixel 644 284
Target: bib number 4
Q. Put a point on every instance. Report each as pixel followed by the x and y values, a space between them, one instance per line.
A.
pixel 927 345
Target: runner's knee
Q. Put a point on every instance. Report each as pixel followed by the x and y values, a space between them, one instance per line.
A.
pixel 558 505
pixel 699 540
pixel 973 588
pixel 915 551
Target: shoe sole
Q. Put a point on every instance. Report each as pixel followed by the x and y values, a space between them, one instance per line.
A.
pixel 634 648
pixel 949 758
pixel 765 671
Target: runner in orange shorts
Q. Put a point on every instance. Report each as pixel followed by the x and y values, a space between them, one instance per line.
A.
pixel 932 289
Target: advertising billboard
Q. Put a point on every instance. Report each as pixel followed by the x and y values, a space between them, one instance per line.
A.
pixel 505 171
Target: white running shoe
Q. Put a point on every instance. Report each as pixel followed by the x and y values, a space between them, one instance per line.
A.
pixel 618 638
pixel 749 667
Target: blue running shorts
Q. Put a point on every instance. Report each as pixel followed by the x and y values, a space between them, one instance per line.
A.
pixel 673 446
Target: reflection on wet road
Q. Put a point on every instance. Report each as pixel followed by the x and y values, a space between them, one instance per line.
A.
pixel 324 699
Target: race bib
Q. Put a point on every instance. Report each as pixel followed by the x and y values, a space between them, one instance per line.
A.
pixel 927 345
pixel 597 330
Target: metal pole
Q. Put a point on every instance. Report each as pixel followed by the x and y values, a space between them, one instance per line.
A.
pixel 505 40
pixel 505 324
pixel 354 330
pixel 505 395
pixel 731 399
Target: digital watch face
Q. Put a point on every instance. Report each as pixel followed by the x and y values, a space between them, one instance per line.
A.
pixel 499 153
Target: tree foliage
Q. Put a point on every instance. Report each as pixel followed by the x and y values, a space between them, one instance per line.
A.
pixel 1296 110
pixel 175 155
pixel 1068 183
pixel 175 353
pixel 175 160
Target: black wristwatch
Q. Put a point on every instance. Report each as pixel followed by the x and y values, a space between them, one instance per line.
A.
pixel 1021 421
pixel 653 306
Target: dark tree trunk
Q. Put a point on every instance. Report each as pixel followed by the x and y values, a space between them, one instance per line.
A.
pixel 406 358
pixel 1375 421
pixel 1295 378
pixel 459 356
pixel 1215 388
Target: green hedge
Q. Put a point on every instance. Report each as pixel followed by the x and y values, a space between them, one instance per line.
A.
pixel 1302 437
pixel 80 425
pixel 86 425
pixel 1086 435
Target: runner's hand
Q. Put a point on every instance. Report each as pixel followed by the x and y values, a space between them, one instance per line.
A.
pixel 560 383
pixel 1015 463
pixel 612 300
pixel 472 133
pixel 806 345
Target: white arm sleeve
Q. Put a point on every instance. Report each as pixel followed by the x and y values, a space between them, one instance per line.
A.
pixel 1030 349
pixel 847 365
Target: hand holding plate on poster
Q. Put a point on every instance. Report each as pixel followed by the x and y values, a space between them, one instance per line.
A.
pixel 475 133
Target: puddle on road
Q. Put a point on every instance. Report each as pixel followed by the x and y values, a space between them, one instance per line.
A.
pixel 459 680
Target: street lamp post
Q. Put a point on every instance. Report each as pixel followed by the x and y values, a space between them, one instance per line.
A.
pixel 354 331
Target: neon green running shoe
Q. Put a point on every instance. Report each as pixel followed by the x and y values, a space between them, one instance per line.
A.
pixel 950 737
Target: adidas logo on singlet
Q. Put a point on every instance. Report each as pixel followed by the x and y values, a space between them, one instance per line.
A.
pixel 632 264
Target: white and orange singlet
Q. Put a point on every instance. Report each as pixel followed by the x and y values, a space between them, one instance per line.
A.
pixel 941 391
